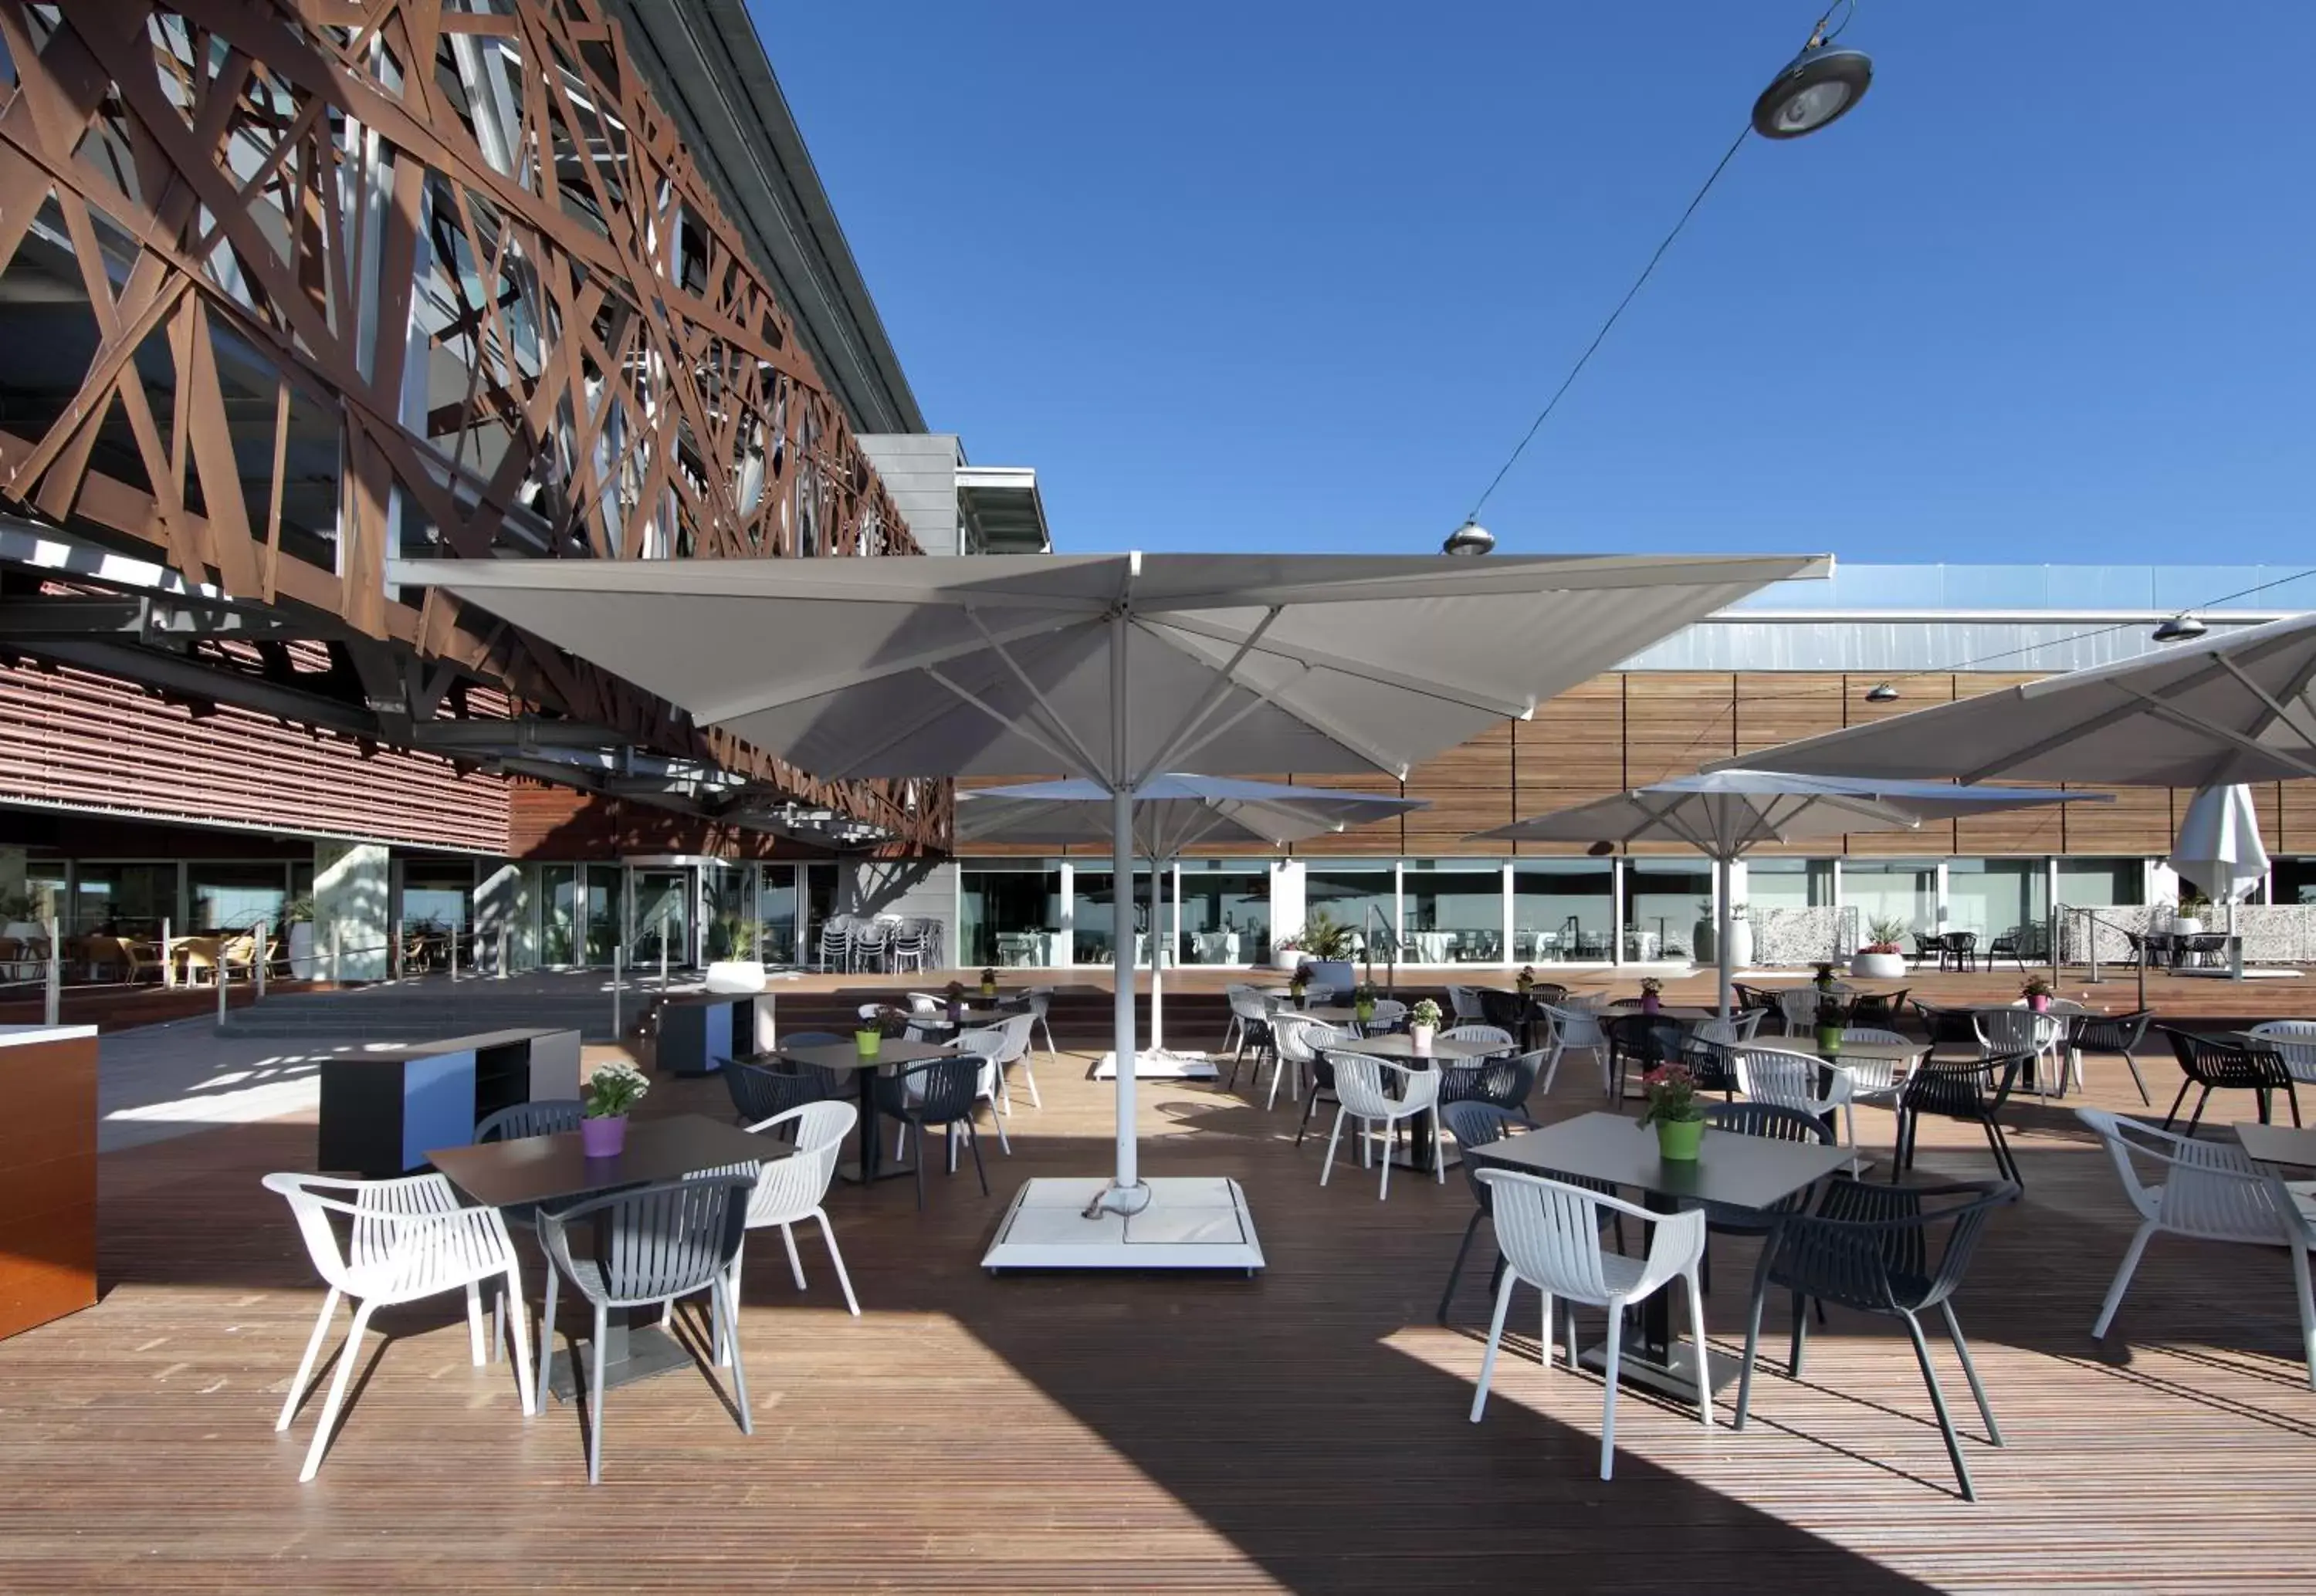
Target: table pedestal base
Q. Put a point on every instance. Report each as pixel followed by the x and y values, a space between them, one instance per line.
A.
pixel 647 1350
pixel 1674 1376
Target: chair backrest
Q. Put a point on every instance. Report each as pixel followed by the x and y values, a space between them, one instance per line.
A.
pixel 1500 1082
pixel 2018 1031
pixel 1766 1076
pixel 1040 999
pixel 654 1242
pixel 1578 1028
pixel 1359 1086
pixel 925 1003
pixel 377 1219
pixel 2201 1188
pixel 1550 1233
pixel 1504 1010
pixel 1872 1247
pixel 1299 1037
pixel 1872 1033
pixel 1388 1011
pixel 1947 1025
pixel 2111 1034
pixel 758 1092
pixel 1249 1005
pixel 2209 1061
pixel 1798 1005
pixel 1651 1039
pixel 546 1116
pixel 1474 1123
pixel 1960 942
pixel 939 1091
pixel 1972 1089
pixel 787 1189
pixel 1493 1035
pixel 1774 1121
pixel 2296 1041
pixel 1464 1003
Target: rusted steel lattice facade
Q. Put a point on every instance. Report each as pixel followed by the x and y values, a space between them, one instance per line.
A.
pixel 301 283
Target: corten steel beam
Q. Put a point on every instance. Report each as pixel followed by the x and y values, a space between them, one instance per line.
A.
pixel 369 277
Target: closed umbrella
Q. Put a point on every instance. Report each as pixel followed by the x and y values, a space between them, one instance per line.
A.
pixel 1173 813
pixel 1115 668
pixel 1725 814
pixel 2219 849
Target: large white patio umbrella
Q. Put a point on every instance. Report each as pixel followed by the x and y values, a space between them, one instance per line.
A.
pixel 2229 706
pixel 1725 814
pixel 2220 850
pixel 1173 813
pixel 1115 668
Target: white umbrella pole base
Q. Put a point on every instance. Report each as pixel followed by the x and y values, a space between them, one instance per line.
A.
pixel 1190 1222
pixel 1160 1064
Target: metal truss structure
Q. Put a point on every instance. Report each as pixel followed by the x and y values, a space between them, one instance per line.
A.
pixel 295 284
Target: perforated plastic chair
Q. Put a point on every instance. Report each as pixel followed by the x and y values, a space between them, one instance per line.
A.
pixel 652 1245
pixel 1797 1008
pixel 1307 1042
pixel 2294 1041
pixel 835 945
pixel 1041 1000
pixel 1475 1124
pixel 548 1116
pixel 1790 1081
pixel 1014 1049
pixel 1390 1014
pixel 1360 1093
pixel 791 1190
pixel 2215 1066
pixel 1494 1036
pixel 987 1044
pixel 2206 1191
pixel 1250 1027
pixel 1640 1043
pixel 1549 1233
pixel 2111 1034
pixel 1871 1249
pixel 1873 1081
pixel 1576 1028
pixel 906 949
pixel 2002 1031
pixel 937 1092
pixel 405 1240
pixel 1464 1004
pixel 1973 1091
pixel 759 1092
pixel 1503 1083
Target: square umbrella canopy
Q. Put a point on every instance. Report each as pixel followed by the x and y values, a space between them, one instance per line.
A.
pixel 1115 668
pixel 1724 814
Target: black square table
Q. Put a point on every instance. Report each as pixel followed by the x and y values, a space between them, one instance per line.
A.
pixel 847 1055
pixel 1741 1171
pixel 527 1171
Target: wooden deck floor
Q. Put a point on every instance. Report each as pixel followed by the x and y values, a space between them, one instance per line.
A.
pixel 1302 1431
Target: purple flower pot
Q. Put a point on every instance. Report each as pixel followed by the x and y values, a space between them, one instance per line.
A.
pixel 603 1136
pixel 2040 1003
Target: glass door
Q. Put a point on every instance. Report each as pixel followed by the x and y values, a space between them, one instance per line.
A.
pixel 662 917
pixel 602 910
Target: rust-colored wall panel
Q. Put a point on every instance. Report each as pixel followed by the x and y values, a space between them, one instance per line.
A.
pixel 2295 826
pixel 71 736
pixel 48 1182
pixel 1575 740
pixel 2138 822
pixel 1468 789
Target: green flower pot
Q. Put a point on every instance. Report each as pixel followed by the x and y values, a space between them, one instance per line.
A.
pixel 1828 1038
pixel 869 1043
pixel 1680 1141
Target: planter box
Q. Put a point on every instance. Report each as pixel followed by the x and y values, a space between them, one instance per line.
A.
pixel 1288 958
pixel 1878 966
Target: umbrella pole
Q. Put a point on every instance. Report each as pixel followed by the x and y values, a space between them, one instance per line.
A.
pixel 1724 918
pixel 1157 904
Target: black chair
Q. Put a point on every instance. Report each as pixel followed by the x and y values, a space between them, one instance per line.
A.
pixel 1971 1090
pixel 1502 1083
pixel 937 1092
pixel 759 1091
pixel 2215 1064
pixel 546 1116
pixel 1947 1025
pixel 1476 1125
pixel 1712 1063
pixel 1958 950
pixel 1871 1008
pixel 651 1245
pixel 1872 1249
pixel 1778 1123
pixel 1927 949
pixel 2113 1033
pixel 1646 1041
pixel 2007 945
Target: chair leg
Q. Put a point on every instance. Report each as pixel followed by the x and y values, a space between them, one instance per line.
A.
pixel 1544 1347
pixel 2122 1281
pixel 329 1404
pixel 2185 1087
pixel 1333 1137
pixel 1608 1383
pixel 2197 1118
pixel 1970 1373
pixel 475 1324
pixel 547 1339
pixel 1029 1079
pixel 1382 1190
pixel 1752 1350
pixel 1304 1125
pixel 2300 1281
pixel 836 1257
pixel 1704 1354
pixel 2137 1080
pixel 973 1141
pixel 727 1320
pixel 1801 1337
pixel 1938 1404
pixel 1438 1150
pixel 321 1327
pixel 919 1161
pixel 595 1395
pixel 1456 1272
pixel 1495 1339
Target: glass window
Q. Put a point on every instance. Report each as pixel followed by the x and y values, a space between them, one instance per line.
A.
pixel 603 911
pixel 662 924
pixel 776 907
pixel 729 918
pixel 1225 913
pixel 436 893
pixel 1454 914
pixel 1893 892
pixel 44 892
pixel 2102 883
pixel 819 902
pixel 1664 901
pixel 2292 881
pixel 1992 896
pixel 1788 883
pixel 1092 915
pixel 1351 895
pixel 1562 909
pixel 235 897
pixel 129 898
pixel 1010 914
pixel 559 913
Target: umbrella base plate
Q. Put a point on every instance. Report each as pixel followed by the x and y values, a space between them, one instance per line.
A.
pixel 1198 1222
pixel 1161 1064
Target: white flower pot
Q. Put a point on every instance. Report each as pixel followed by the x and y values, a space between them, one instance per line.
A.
pixel 2188 925
pixel 1422 1035
pixel 1740 944
pixel 1288 958
pixel 1878 966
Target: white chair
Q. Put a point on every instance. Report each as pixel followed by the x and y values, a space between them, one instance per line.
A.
pixel 2005 1032
pixel 1388 1012
pixel 2294 1041
pixel 1792 1080
pixel 1360 1094
pixel 1289 1030
pixel 1016 1029
pixel 988 1044
pixel 2208 1190
pixel 1041 999
pixel 406 1239
pixel 791 1190
pixel 1575 1027
pixel 872 941
pixel 905 950
pixel 1464 1003
pixel 1494 1036
pixel 1245 1003
pixel 1550 1237
pixel 1797 1007
pixel 1873 1081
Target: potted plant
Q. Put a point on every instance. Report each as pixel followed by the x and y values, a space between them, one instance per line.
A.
pixel 1651 995
pixel 1830 1021
pixel 955 993
pixel 298 914
pixel 988 982
pixel 1823 979
pixel 611 1091
pixel 1525 981
pixel 2187 919
pixel 1287 952
pixel 2037 993
pixel 1363 1002
pixel 1884 957
pixel 1674 1110
pixel 1423 1024
pixel 1298 985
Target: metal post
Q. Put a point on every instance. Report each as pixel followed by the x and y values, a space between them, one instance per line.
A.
pixel 454 953
pixel 503 952
pixel 337 970
pixel 663 952
pixel 54 995
pixel 168 958
pixel 224 980
pixel 258 949
pixel 615 994
pixel 1724 918
pixel 1128 1175
pixel 1157 959
pixel 2055 920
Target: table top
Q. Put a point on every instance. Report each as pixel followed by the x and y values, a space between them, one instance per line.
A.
pixel 1396 1046
pixel 846 1055
pixel 2278 1144
pixel 1806 1047
pixel 1741 1171
pixel 557 1168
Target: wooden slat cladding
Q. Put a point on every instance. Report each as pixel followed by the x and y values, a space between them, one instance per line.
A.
pixel 1468 789
pixel 71 736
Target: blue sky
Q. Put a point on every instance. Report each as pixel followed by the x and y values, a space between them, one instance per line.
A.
pixel 1298 276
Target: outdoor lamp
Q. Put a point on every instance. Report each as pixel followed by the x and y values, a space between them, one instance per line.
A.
pixel 1816 87
pixel 1470 538
pixel 2180 628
